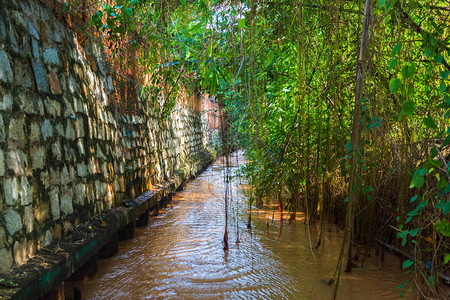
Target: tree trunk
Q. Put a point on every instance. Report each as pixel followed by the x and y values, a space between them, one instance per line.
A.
pixel 354 184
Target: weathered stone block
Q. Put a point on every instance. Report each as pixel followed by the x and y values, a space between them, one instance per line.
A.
pixel 45 179
pixel 7 260
pixel 22 75
pixel 90 194
pixel 60 129
pixel 80 190
pixel 78 105
pixel 100 189
pixel 79 127
pixel 54 83
pixel 51 56
pixel 48 238
pixel 39 75
pixel 65 176
pixel 70 154
pixel 7 102
pixel 37 157
pixel 54 203
pixel 2 29
pixel 28 219
pixel 105 170
pixel 6 74
pixel 56 36
pixel 32 30
pixel 16 161
pixel 99 153
pixel 69 111
pixel 40 107
pixel 52 107
pixel 66 202
pixel 2 238
pixel 13 39
pixel 80 145
pixel 57 232
pixel 55 176
pixel 42 212
pixel 25 192
pixel 73 85
pixel 15 130
pixel 20 252
pixel 70 132
pixel 47 130
pixel 2 163
pixel 13 221
pixel 67 228
pixel 82 170
pixel 35 48
pixel 56 150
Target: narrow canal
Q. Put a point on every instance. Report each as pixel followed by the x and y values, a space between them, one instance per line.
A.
pixel 180 255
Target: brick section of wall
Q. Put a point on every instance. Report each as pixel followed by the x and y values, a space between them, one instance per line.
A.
pixel 67 153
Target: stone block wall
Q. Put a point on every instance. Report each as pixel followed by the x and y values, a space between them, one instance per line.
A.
pixel 66 153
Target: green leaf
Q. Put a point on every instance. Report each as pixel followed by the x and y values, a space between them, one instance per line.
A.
pixel 418 180
pixel 429 122
pixel 413 198
pixel 241 23
pixel 394 85
pixel 422 172
pixel 348 147
pixel 367 189
pixel 440 204
pixel 446 208
pixel 442 183
pixel 410 89
pixel 392 64
pixel 409 70
pixel 413 232
pixel 446 141
pixel 407 263
pixel 396 49
pixel 444 74
pixel 269 60
pixel 447 258
pixel 443 87
pixel 408 107
pixel 403 285
pixel 127 11
pixel 443 228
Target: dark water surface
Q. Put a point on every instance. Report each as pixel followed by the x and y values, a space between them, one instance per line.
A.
pixel 180 255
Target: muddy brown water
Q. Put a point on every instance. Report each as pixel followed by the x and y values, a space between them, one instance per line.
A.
pixel 180 255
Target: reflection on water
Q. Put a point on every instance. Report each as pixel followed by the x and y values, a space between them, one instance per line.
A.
pixel 179 255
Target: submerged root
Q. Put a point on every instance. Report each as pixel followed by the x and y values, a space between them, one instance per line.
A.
pixel 225 240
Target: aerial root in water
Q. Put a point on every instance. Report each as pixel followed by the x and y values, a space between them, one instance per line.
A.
pixel 225 240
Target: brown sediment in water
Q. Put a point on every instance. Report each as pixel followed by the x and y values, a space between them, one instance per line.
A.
pixel 179 255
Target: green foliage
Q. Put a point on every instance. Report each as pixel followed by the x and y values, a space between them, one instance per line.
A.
pixel 443 228
pixel 408 108
pixel 284 74
pixel 407 263
pixel 447 258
